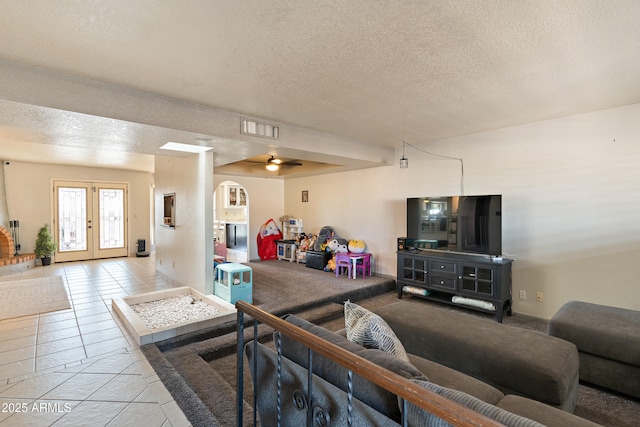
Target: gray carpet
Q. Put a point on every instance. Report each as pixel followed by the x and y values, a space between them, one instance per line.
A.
pixel 281 287
pixel 200 369
pixel 184 364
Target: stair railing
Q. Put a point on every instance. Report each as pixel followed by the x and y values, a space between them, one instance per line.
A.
pixel 408 392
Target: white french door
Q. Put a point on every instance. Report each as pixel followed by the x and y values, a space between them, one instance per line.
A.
pixel 90 220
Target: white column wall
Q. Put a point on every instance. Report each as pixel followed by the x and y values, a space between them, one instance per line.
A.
pixel 185 253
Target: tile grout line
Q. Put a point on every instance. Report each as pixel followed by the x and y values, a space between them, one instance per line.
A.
pixel 119 281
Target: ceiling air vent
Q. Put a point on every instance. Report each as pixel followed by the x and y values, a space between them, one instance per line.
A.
pixel 253 128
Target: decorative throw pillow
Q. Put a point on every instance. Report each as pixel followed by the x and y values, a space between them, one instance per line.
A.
pixel 419 417
pixel 371 331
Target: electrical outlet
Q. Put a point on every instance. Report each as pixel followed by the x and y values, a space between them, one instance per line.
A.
pixel 523 294
pixel 539 297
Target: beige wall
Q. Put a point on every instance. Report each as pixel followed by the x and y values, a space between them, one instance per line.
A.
pixel 30 196
pixel 185 253
pixel 571 203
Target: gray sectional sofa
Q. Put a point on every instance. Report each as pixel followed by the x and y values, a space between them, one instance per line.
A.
pixel 608 341
pixel 525 381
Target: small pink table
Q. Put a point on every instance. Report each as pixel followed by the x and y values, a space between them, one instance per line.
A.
pixel 353 257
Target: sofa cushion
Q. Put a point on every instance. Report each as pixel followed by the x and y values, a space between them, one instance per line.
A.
pixel 514 360
pixel 447 377
pixel 369 393
pixel 419 417
pixel 371 331
pixel 609 332
pixel 544 414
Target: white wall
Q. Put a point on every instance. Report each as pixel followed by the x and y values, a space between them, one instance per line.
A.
pixel 30 196
pixel 571 203
pixel 265 198
pixel 185 253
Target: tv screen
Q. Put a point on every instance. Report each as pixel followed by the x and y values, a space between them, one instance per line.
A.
pixel 470 224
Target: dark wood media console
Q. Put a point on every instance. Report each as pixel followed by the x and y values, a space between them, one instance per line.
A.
pixel 474 280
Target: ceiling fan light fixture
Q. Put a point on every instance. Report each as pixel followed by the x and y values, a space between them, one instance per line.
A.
pixel 272 167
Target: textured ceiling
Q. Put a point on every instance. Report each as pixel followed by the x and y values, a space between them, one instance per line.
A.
pixel 373 72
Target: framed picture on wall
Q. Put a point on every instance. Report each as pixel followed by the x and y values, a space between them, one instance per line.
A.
pixel 305 196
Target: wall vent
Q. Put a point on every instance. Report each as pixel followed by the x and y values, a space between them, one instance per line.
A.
pixel 264 130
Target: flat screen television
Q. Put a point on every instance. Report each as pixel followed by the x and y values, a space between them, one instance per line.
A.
pixel 471 224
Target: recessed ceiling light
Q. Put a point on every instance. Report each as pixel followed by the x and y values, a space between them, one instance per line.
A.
pixel 186 148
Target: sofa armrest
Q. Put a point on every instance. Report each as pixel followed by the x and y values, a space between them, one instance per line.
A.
pixel 544 414
pixel 447 377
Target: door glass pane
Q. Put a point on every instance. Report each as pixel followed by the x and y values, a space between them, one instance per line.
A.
pixel 111 218
pixel 469 285
pixel 485 274
pixel 72 219
pixel 468 271
pixel 485 288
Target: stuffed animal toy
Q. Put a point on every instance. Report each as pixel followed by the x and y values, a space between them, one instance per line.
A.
pixel 312 242
pixel 331 264
pixel 336 246
pixel 326 234
pixel 332 244
pixel 304 243
pixel 356 246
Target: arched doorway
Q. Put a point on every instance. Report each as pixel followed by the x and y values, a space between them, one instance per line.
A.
pixel 231 222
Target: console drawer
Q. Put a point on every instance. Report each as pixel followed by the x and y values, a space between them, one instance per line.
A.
pixel 444 266
pixel 443 282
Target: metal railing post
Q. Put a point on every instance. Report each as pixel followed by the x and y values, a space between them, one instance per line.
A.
pixel 240 368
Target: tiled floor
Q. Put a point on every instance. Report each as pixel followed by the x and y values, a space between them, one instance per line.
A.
pixel 236 256
pixel 79 366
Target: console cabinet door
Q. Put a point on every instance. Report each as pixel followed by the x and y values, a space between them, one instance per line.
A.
pixel 413 269
pixel 478 280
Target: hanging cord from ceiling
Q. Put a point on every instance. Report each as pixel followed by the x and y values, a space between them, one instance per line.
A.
pixel 443 157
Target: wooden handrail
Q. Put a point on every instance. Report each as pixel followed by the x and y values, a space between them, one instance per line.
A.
pixel 440 406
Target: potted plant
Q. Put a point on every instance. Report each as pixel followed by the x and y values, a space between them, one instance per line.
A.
pixel 44 246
